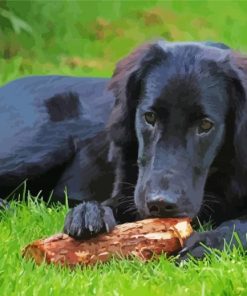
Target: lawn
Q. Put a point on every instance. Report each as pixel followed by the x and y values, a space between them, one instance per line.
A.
pixel 86 38
pixel 219 274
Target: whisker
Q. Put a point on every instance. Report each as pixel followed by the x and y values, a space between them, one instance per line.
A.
pixel 126 200
pixel 204 211
pixel 209 208
pixel 127 183
pixel 129 187
pixel 206 208
pixel 210 195
pixel 126 197
pixel 130 210
pixel 212 201
pixel 126 203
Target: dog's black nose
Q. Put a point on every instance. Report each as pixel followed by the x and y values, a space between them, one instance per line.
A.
pixel 162 208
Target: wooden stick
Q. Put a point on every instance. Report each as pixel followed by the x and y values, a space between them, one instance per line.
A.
pixel 144 239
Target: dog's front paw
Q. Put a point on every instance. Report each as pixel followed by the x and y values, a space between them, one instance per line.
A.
pixel 200 243
pixel 88 219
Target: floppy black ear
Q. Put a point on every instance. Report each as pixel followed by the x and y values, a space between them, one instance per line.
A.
pixel 126 85
pixel 238 76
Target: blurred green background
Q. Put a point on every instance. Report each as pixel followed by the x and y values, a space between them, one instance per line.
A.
pixel 86 38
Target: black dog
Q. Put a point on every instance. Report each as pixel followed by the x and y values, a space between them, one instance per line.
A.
pixel 174 144
pixel 177 136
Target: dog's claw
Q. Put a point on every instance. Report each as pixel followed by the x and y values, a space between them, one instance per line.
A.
pixel 183 251
pixel 88 219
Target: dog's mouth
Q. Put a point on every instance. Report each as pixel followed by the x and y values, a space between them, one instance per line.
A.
pixel 156 212
pixel 160 215
pixel 167 211
pixel 144 213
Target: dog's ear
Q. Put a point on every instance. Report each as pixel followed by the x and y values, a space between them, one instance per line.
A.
pixel 238 76
pixel 125 85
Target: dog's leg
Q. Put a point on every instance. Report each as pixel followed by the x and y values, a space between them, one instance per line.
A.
pixel 73 182
pixel 89 176
pixel 230 233
pixel 91 217
pixel 87 180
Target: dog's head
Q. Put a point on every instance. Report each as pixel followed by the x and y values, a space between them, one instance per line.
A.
pixel 176 103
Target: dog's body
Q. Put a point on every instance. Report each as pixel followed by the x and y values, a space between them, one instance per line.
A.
pixel 174 144
pixel 44 123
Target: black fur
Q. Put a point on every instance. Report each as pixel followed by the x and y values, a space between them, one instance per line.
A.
pixel 172 167
pixel 167 169
pixel 62 107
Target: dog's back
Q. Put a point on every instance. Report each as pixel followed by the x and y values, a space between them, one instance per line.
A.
pixel 41 117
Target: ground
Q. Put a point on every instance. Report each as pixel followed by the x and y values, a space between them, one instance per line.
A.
pixel 86 38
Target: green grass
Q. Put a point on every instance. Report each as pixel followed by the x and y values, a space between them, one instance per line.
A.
pixel 86 38
pixel 219 274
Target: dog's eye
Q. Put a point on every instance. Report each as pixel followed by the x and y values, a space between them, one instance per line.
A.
pixel 150 118
pixel 205 126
